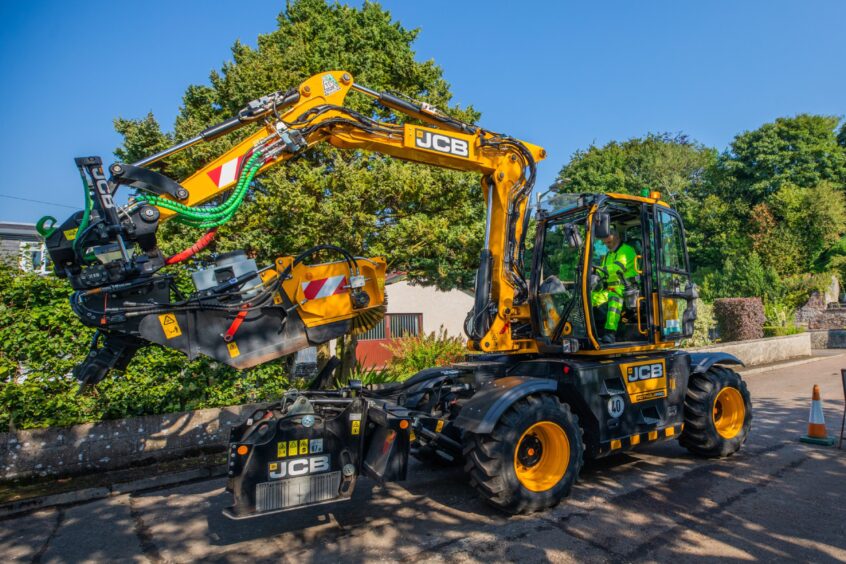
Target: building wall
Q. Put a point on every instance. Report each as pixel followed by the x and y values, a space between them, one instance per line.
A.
pixel 21 245
pixel 438 308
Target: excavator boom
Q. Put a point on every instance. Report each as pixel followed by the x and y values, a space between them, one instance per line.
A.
pixel 241 314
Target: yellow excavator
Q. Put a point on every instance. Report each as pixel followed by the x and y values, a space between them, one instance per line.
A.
pixel 574 340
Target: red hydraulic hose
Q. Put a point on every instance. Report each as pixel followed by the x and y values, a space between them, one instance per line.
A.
pixel 201 244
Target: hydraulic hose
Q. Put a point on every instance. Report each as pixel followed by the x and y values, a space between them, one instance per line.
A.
pixel 211 217
pixel 201 244
pixel 86 213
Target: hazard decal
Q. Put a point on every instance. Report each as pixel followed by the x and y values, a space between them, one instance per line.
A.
pixel 325 287
pixel 170 326
pixel 226 173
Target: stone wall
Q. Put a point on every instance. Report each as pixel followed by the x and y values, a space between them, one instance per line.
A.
pixel 109 445
pixel 764 351
pixel 828 339
pixel 816 313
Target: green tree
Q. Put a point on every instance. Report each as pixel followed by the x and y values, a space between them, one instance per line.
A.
pixel 801 151
pixel 674 165
pixel 786 182
pixel 426 221
pixel 671 164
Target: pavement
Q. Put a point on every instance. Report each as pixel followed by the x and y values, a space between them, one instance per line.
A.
pixel 775 500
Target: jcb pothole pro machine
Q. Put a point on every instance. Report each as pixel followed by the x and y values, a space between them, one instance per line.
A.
pixel 573 357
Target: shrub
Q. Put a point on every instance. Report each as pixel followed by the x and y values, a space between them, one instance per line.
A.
pixel 782 331
pixel 780 320
pixel 739 319
pixel 747 279
pixel 41 340
pixel 705 322
pixel 413 354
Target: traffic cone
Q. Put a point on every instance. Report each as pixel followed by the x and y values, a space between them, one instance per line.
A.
pixel 816 423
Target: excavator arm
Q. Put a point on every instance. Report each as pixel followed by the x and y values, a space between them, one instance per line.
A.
pixel 244 315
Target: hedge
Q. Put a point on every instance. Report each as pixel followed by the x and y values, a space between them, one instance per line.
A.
pixel 41 340
pixel 739 319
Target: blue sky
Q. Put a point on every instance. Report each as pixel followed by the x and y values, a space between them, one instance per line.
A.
pixel 559 74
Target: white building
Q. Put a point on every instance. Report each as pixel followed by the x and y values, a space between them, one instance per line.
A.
pixel 20 244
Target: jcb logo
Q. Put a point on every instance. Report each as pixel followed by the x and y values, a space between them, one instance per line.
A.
pixel 645 380
pixel 299 467
pixel 102 187
pixel 645 372
pixel 441 143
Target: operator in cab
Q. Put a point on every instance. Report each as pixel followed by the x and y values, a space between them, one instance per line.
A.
pixel 617 269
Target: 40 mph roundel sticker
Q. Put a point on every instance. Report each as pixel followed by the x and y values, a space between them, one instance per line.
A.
pixel 616 406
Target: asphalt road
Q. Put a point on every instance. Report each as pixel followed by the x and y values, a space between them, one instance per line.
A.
pixel 776 500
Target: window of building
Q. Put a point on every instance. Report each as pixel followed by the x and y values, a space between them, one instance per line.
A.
pixel 395 326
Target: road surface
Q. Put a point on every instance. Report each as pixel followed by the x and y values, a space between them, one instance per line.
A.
pixel 776 500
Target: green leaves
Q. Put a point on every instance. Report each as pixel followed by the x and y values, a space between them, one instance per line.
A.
pixel 778 192
pixel 41 340
pixel 425 221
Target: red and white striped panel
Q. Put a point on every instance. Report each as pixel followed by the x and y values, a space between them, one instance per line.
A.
pixel 226 173
pixel 325 287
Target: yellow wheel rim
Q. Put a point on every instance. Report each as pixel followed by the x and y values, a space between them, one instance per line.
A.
pixel 542 456
pixel 729 413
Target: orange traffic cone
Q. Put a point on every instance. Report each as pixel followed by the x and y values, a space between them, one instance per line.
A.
pixel 816 423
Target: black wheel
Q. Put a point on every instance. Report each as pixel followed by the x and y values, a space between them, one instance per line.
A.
pixel 717 413
pixel 531 459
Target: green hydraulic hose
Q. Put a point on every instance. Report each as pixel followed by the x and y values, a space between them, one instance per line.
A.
pixel 86 214
pixel 216 215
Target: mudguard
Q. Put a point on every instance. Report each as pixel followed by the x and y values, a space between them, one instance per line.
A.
pixel 701 362
pixel 481 413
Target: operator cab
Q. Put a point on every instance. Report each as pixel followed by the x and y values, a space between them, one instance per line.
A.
pixel 612 275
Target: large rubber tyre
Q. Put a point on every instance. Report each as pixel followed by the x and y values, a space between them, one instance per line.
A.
pixel 717 413
pixel 531 459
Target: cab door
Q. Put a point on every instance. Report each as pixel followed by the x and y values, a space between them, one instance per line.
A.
pixel 675 294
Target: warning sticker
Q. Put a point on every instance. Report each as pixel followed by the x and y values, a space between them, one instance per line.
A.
pixel 70 234
pixel 233 349
pixel 315 446
pixel 170 326
pixel 439 427
pixel 282 449
pixel 303 446
pixel 292 448
pixel 356 427
pixel 330 85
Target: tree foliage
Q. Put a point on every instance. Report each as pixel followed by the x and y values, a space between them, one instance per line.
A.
pixel 426 221
pixel 765 218
pixel 41 340
pixel 672 164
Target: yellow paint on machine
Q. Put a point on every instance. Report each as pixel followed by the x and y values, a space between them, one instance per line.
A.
pixel 645 380
pixel 170 325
